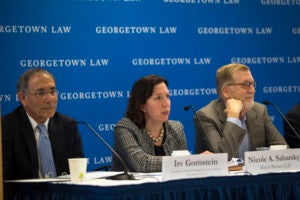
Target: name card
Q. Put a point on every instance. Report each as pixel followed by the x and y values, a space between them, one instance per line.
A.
pixel 194 166
pixel 260 162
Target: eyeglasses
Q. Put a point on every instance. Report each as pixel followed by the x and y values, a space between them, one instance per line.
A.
pixel 254 84
pixel 42 93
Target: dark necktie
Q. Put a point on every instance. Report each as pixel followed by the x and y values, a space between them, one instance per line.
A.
pixel 45 153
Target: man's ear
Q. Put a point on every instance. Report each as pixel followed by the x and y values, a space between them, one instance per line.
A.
pixel 21 97
pixel 226 92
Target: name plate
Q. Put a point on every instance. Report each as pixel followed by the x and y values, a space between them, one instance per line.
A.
pixel 194 166
pixel 261 162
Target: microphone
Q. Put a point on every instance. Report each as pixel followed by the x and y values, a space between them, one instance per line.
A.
pixel 282 115
pixel 124 176
pixel 187 108
pixel 205 144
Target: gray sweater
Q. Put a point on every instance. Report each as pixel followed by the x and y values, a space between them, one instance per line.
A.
pixel 137 149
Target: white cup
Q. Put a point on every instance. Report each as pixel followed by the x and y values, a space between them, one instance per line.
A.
pixel 77 168
pixel 278 147
pixel 181 153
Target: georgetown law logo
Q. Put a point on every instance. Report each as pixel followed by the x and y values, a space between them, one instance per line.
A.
pixel 204 2
pixel 281 89
pixel 234 30
pixel 127 30
pixel 59 63
pixel 280 3
pixel 90 95
pixel 35 29
pixel 266 60
pixel 171 61
pixel 192 91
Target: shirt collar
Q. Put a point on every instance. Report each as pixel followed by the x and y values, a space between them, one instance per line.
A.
pixel 34 123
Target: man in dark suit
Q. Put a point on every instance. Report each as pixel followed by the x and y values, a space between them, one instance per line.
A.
pixel 36 90
pixel 234 123
pixel 293 116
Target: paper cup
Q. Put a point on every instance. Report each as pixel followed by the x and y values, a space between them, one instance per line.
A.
pixel 278 147
pixel 77 168
pixel 181 153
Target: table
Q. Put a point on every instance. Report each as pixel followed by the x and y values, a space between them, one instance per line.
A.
pixel 279 186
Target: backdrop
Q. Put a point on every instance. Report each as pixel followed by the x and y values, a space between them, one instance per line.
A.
pixel 97 49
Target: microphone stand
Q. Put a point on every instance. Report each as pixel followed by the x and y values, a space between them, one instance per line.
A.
pixel 123 176
pixel 282 115
pixel 206 143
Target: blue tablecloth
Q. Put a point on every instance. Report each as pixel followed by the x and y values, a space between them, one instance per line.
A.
pixel 279 186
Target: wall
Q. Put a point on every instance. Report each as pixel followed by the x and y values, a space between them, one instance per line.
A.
pixel 98 48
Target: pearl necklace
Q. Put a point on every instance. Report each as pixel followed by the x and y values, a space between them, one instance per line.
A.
pixel 159 138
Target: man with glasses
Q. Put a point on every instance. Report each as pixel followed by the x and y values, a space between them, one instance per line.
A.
pixel 234 123
pixel 22 148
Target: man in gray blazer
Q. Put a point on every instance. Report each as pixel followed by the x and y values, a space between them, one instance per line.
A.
pixel 234 123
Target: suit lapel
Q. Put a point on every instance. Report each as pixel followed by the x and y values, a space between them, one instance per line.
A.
pixel 52 133
pixel 253 126
pixel 28 134
pixel 220 106
pixel 55 138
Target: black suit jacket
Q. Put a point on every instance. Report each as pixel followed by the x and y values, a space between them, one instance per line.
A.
pixel 20 157
pixel 293 116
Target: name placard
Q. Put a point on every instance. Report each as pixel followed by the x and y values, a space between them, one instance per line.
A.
pixel 260 162
pixel 194 166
